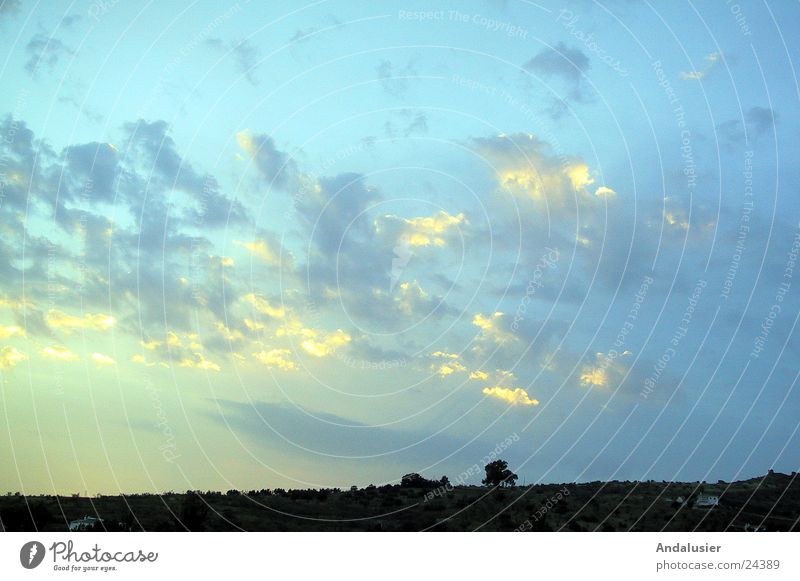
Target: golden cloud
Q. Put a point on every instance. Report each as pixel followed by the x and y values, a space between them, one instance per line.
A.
pixel 59 353
pixel 101 359
pixel 604 192
pixel 449 368
pixel 276 358
pixel 326 343
pixel 198 361
pixel 68 323
pixel 445 355
pixel 608 369
pixel 10 356
pixel 264 307
pixel 424 230
pixel 11 331
pixel 317 343
pixel 492 328
pixel 267 251
pixel 517 396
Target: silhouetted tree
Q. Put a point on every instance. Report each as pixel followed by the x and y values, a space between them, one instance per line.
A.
pixel 194 511
pixel 414 480
pixel 498 474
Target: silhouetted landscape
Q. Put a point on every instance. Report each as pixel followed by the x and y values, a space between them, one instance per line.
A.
pixel 768 503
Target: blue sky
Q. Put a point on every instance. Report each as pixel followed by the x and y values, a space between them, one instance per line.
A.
pixel 330 244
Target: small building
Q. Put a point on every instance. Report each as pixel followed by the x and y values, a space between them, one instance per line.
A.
pixel 706 501
pixel 87 523
pixel 754 528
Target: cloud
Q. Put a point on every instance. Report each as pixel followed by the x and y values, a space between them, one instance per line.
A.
pixel 604 192
pixel 607 370
pixel 7 331
pixel 268 250
pixel 322 345
pixel 394 81
pixel 568 63
pixel 152 147
pixel 757 121
pixel 246 57
pixel 449 368
pixel 494 327
pixel 420 231
pixel 198 361
pixel 103 360
pixel 94 169
pixel 711 60
pixel 528 167
pixel 314 341
pixel 264 307
pixel 44 51
pixel 517 396
pixel 59 353
pixel 761 119
pixel 275 166
pixel 61 321
pixel 312 434
pixel 10 356
pixel 276 358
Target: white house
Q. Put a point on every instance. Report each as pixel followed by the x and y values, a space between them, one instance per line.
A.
pixel 706 501
pixel 85 523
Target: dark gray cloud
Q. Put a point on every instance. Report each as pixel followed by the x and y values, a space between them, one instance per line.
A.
pixel 318 434
pixel 276 167
pixel 561 61
pixel 44 52
pixel 95 167
pixel 162 168
pixel 761 119
pixel 758 121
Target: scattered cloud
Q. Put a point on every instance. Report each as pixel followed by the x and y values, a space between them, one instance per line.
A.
pixel 276 358
pixel 420 231
pixel 10 356
pixel 198 361
pixel 275 166
pixel 560 61
pixel 44 52
pixel 394 80
pixel 264 307
pixel 516 396
pixel 59 353
pixel 7 331
pixel 61 321
pixel 607 370
pixel 493 327
pixel 103 360
pixel 711 62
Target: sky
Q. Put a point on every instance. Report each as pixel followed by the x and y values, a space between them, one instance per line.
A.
pixel 316 245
